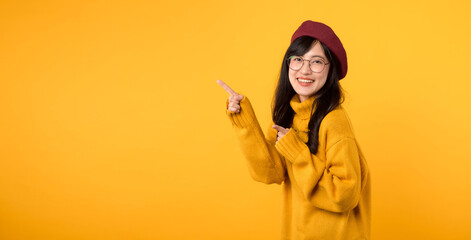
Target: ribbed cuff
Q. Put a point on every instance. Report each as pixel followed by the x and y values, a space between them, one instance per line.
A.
pixel 271 134
pixel 246 115
pixel 290 146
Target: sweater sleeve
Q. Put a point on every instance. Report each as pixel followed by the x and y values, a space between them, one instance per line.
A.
pixel 333 184
pixel 265 163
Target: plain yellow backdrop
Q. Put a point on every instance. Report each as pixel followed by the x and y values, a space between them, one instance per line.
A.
pixel 112 125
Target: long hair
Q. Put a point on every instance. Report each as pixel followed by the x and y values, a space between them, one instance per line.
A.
pixel 326 99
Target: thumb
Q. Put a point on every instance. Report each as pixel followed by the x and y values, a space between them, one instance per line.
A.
pixel 238 97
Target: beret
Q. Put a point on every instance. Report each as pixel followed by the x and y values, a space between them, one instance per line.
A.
pixel 325 35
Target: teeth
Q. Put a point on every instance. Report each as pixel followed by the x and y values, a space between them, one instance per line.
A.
pixel 305 80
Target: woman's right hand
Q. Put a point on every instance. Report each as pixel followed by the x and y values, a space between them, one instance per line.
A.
pixel 234 98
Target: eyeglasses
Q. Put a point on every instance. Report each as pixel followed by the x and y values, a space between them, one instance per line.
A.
pixel 316 64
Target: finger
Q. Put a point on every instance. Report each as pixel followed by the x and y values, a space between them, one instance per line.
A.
pixel 233 99
pixel 226 87
pixel 233 104
pixel 234 110
pixel 238 97
pixel 278 128
pixel 236 106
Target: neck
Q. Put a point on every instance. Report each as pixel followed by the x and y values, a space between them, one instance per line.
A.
pixel 303 98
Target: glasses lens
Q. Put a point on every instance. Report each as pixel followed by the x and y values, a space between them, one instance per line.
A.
pixel 295 63
pixel 317 64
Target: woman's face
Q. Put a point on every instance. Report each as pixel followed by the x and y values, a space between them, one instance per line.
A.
pixel 304 81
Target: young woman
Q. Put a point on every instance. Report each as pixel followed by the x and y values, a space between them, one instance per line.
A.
pixel 310 147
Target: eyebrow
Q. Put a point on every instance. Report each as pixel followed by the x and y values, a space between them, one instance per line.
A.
pixel 318 56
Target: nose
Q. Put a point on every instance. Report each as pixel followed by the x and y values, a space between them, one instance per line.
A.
pixel 306 68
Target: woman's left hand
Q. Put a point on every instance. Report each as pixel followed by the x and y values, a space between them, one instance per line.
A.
pixel 281 131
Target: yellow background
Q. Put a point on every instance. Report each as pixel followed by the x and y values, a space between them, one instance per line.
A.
pixel 112 125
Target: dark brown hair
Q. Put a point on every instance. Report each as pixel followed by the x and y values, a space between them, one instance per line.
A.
pixel 327 98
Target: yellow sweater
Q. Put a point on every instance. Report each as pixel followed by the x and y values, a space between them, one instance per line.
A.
pixel 326 195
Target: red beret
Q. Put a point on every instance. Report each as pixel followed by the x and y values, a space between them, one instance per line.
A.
pixel 325 35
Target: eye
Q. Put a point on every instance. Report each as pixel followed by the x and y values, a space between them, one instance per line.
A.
pixel 317 61
pixel 296 59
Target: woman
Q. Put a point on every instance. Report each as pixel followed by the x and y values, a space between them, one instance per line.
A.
pixel 310 147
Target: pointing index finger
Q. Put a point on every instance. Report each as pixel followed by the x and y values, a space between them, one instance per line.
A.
pixel 280 128
pixel 276 127
pixel 226 87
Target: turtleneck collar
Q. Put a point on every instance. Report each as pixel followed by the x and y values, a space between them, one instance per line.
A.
pixel 303 109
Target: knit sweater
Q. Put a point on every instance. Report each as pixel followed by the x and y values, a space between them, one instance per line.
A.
pixel 325 195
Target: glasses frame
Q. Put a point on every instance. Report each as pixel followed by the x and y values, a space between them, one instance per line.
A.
pixel 309 62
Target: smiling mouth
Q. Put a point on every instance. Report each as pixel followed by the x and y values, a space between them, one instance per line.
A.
pixel 305 80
